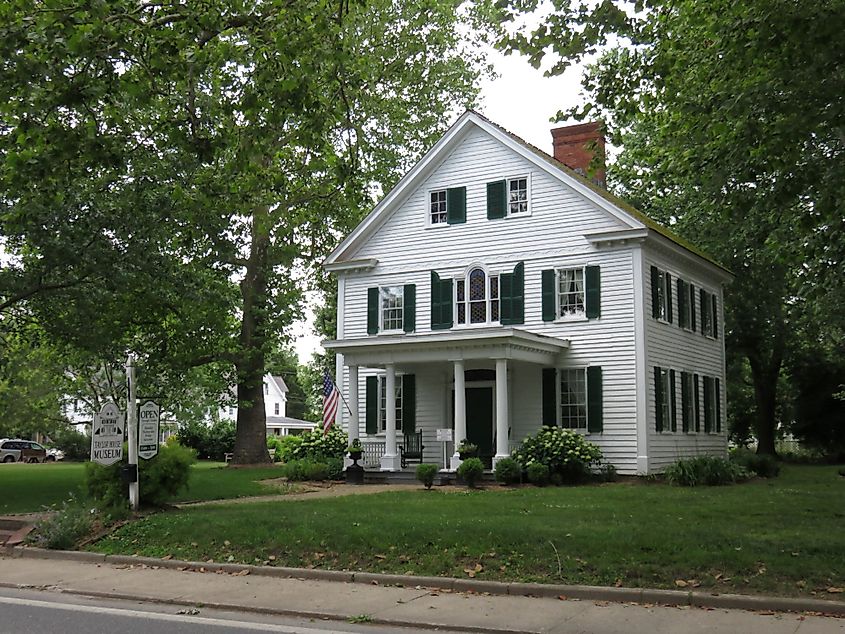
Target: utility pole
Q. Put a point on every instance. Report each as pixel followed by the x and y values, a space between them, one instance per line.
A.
pixel 132 422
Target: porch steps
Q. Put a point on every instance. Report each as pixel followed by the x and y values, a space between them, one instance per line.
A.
pixel 409 477
pixel 13 530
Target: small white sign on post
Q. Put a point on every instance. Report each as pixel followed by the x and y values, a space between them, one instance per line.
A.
pixel 149 417
pixel 444 435
pixel 107 435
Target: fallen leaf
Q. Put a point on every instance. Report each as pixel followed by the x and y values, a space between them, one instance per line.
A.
pixel 226 543
pixel 801 583
pixel 681 583
pixel 834 590
pixel 167 557
pixel 272 557
pixel 562 597
pixel 244 572
pixel 381 556
pixel 618 583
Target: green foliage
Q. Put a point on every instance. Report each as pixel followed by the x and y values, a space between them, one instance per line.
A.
pixel 538 474
pixel 209 441
pixel 508 471
pixel 465 447
pixel 763 465
pixel 76 446
pixel 285 447
pixel 607 473
pixel 160 478
pixel 563 451
pixel 426 474
pixel 471 471
pixel 705 470
pixel 62 529
pixel 313 469
pixel 316 445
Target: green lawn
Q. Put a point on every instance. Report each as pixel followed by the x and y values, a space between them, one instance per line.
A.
pixel 783 536
pixel 27 488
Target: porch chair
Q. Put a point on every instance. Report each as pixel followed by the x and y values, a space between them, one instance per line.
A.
pixel 412 448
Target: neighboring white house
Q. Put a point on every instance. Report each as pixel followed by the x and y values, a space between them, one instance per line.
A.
pixel 495 290
pixel 275 402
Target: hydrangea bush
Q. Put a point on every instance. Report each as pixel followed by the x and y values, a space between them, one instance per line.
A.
pixel 563 451
pixel 316 445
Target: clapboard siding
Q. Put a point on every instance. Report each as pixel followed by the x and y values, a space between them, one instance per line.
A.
pixel 669 346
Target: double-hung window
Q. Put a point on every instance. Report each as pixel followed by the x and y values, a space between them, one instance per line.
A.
pixel 573 399
pixel 708 308
pixel 688 400
pixel 517 196
pixel 477 298
pixel 663 399
pixel 570 292
pixel 437 208
pixel 664 296
pixel 392 307
pixel 382 411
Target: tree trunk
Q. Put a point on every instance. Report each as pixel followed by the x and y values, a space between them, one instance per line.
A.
pixel 764 375
pixel 251 436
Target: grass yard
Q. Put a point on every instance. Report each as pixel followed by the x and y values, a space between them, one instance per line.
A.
pixel 26 488
pixel 782 536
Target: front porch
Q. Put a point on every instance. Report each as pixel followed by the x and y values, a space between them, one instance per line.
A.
pixel 450 386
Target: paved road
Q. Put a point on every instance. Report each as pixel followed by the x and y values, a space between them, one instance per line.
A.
pixel 40 612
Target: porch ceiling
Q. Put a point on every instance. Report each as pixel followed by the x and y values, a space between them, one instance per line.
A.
pixel 480 343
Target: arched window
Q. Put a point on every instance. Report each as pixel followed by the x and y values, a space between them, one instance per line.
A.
pixel 477 298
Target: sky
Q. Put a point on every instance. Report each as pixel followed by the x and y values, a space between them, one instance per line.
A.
pixel 520 100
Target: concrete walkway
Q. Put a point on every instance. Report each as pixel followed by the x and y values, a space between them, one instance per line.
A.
pixel 411 606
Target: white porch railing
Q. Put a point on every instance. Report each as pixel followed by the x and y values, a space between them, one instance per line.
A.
pixel 373 451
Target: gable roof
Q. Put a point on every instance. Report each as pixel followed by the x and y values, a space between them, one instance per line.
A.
pixel 613 205
pixel 279 382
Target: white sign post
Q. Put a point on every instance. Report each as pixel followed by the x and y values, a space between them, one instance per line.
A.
pixel 149 417
pixel 107 435
pixel 131 408
pixel 444 436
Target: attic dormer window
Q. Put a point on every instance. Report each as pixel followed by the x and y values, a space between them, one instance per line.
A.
pixel 517 196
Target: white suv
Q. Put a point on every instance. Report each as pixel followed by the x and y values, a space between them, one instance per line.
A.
pixel 17 450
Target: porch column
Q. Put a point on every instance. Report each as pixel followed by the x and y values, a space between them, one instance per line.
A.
pixel 460 413
pixel 502 421
pixel 390 461
pixel 352 399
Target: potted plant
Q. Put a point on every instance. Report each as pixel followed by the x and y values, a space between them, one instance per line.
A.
pixel 467 449
pixel 355 450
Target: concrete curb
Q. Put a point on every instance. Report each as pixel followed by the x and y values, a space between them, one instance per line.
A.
pixel 478 586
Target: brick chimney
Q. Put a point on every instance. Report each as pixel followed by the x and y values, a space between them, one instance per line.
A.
pixel 575 145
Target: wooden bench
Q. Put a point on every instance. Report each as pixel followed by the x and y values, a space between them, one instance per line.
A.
pixel 412 449
pixel 228 456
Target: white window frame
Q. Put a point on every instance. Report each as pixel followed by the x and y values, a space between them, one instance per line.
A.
pixel 691 402
pixel 518 214
pixel 488 299
pixel 689 304
pixel 428 212
pixel 560 404
pixel 664 293
pixel 578 315
pixel 275 409
pixel 382 296
pixel 707 316
pixel 714 396
pixel 666 406
pixel 382 403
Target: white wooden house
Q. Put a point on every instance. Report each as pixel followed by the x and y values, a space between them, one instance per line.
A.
pixel 495 289
pixel 275 409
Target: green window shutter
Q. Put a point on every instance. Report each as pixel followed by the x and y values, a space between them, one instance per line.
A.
pixel 409 310
pixel 518 295
pixel 497 200
pixel 592 284
pixel 701 293
pixel 692 306
pixel 685 396
pixel 672 404
pixel 441 302
pixel 707 414
pixel 658 400
pixel 715 307
pixel 456 205
pixel 668 289
pixel 594 400
pixel 372 405
pixel 695 391
pixel 436 318
pixel 549 397
pixel 655 282
pixel 547 292
pixel 718 407
pixel 682 300
pixel 505 298
pixel 409 404
pixel 372 310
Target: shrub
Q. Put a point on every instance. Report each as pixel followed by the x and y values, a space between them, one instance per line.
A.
pixel 63 529
pixel 471 471
pixel 285 447
pixel 704 470
pixel 160 478
pixel 606 473
pixel 316 445
pixel 209 441
pixel 538 474
pixel 563 451
pixel 76 446
pixel 508 471
pixel 842 472
pixel 426 474
pixel 763 465
pixel 317 470
pixel 335 468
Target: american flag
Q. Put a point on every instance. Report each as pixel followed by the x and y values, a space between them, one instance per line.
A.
pixel 331 395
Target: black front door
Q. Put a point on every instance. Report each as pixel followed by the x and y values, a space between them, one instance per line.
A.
pixel 479 402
